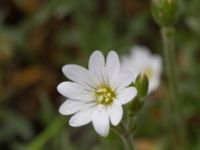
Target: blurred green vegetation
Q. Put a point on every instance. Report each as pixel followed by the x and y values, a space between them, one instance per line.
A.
pixel 37 37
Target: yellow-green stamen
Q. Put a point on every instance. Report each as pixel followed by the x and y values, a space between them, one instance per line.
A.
pixel 105 95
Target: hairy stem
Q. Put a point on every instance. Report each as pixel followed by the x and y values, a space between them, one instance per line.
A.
pixel 174 103
pixel 127 138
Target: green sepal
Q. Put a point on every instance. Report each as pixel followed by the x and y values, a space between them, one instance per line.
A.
pixel 165 12
pixel 142 85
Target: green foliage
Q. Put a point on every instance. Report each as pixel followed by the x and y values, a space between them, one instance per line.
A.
pixel 38 37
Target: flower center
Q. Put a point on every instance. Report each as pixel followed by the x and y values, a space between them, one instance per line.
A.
pixel 149 72
pixel 105 95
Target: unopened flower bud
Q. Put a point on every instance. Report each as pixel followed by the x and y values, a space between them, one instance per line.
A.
pixel 142 85
pixel 165 12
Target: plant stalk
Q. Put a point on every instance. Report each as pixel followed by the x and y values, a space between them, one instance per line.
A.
pixel 174 103
pixel 127 138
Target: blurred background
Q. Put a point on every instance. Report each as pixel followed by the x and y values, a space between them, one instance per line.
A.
pixel 37 37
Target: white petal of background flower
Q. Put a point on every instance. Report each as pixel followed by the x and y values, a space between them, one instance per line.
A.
pixel 141 60
pixel 96 95
pixel 157 64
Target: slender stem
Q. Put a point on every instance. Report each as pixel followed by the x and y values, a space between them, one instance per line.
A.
pixel 127 138
pixel 176 115
pixel 47 134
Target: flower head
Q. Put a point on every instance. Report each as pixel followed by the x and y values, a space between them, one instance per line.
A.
pixel 96 95
pixel 142 61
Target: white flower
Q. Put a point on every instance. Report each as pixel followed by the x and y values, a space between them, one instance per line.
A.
pixel 141 60
pixel 96 95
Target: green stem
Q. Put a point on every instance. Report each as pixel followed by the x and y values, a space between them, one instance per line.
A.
pixel 176 115
pixel 127 138
pixel 47 134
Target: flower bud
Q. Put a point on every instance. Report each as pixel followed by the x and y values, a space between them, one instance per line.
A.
pixel 165 12
pixel 142 85
pixel 136 105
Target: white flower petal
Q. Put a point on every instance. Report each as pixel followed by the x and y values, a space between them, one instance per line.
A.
pixel 75 91
pixel 71 106
pixel 121 80
pixel 157 64
pixel 127 95
pixel 101 121
pixel 81 118
pixel 116 113
pixel 141 52
pixel 112 63
pixel 154 84
pixel 80 75
pixel 97 64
